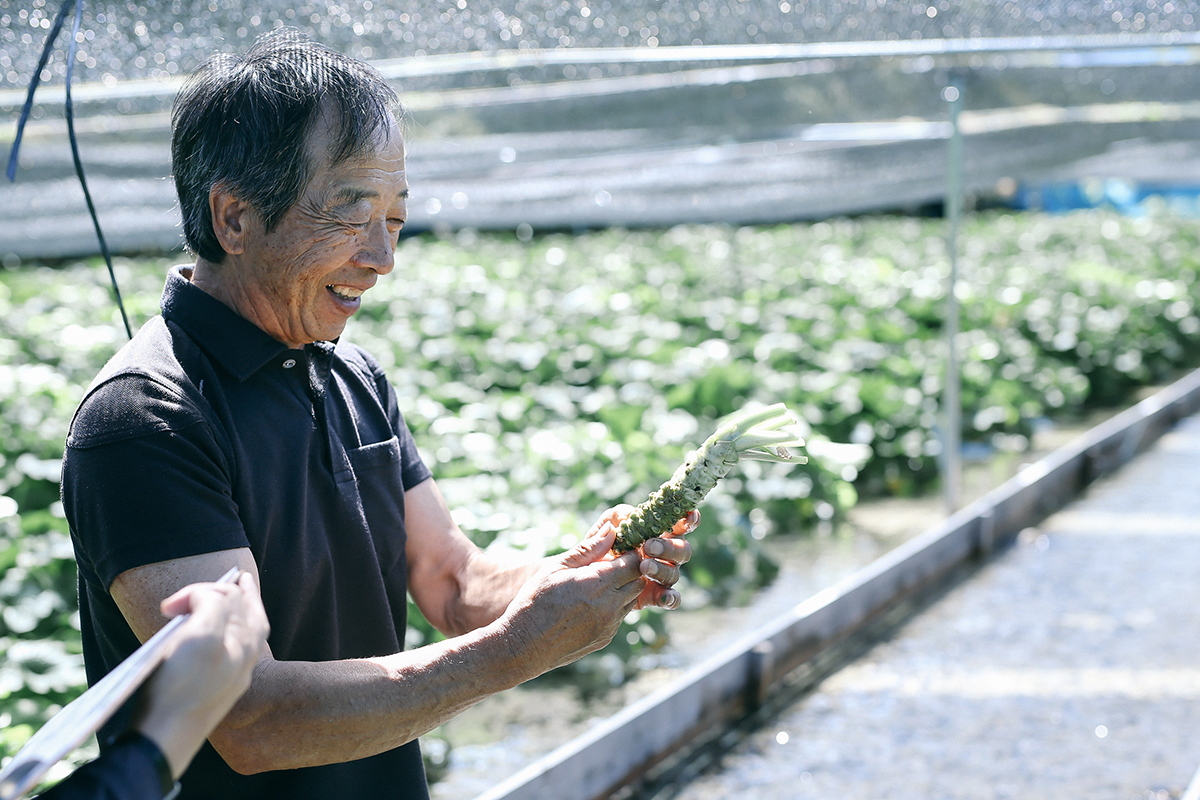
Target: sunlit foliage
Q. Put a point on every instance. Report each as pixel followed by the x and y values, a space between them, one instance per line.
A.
pixel 547 380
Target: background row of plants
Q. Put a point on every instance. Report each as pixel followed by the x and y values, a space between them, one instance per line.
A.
pixel 548 379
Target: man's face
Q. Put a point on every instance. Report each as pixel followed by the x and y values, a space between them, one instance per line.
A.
pixel 306 276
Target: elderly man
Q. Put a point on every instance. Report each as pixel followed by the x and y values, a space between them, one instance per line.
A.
pixel 233 431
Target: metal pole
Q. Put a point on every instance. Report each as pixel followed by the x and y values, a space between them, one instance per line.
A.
pixel 951 395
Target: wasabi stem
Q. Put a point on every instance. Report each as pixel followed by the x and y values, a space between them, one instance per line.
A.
pixel 762 435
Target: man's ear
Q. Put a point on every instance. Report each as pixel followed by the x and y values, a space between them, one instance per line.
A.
pixel 230 216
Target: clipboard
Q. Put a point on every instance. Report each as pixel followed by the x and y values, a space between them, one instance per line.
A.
pixel 84 715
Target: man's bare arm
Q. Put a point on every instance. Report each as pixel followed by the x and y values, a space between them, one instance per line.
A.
pixel 457 587
pixel 460 588
pixel 300 714
pixel 209 669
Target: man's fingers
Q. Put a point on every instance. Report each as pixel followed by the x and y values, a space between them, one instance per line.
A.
pixel 599 539
pixel 176 604
pixel 661 572
pixel 672 547
pixel 659 596
pixel 660 565
pixel 188 598
pixel 628 566
pixel 255 616
pixel 601 536
pixel 686 525
pixel 594 547
pixel 612 516
pixel 668 548
pixel 633 590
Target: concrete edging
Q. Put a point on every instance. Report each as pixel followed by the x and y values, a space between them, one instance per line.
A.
pixel 731 684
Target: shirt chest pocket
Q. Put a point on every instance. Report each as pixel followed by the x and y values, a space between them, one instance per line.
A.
pixel 378 491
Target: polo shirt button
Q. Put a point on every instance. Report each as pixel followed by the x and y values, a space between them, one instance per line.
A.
pixel 291 362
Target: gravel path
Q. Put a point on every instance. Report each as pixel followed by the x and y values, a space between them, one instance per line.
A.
pixel 1069 667
pixel 160 38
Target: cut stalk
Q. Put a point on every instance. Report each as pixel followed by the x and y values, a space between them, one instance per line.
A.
pixel 762 435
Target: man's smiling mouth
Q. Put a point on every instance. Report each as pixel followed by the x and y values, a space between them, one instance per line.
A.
pixel 346 292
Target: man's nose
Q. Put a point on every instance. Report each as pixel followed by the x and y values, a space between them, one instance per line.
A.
pixel 378 252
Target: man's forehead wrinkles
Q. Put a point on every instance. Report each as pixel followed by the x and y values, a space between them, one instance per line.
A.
pixel 349 195
pixel 352 194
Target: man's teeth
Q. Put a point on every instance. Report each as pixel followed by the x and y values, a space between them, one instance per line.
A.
pixel 347 292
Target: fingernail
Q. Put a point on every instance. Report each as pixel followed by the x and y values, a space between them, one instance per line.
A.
pixel 653 548
pixel 693 520
pixel 651 569
pixel 670 600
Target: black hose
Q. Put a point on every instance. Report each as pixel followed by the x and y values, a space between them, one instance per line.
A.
pixel 70 114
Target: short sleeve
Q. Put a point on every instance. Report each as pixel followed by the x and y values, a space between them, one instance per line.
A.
pixel 145 487
pixel 412 469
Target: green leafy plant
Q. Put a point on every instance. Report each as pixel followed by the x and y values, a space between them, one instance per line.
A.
pixel 592 362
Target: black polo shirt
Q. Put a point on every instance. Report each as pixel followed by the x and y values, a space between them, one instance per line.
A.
pixel 204 434
pixel 132 769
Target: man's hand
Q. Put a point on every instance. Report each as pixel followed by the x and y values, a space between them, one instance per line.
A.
pixel 574 604
pixel 662 556
pixel 520 622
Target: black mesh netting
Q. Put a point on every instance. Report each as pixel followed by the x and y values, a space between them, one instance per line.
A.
pixel 157 38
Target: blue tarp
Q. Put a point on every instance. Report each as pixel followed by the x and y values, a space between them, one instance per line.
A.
pixel 1128 197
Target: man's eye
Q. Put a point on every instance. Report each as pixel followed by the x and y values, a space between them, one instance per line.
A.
pixel 396 223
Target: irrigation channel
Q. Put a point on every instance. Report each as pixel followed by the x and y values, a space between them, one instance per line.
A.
pixel 734 707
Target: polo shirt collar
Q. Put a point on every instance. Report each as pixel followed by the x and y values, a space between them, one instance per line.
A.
pixel 235 342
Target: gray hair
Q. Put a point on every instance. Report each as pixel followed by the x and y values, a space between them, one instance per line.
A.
pixel 245 121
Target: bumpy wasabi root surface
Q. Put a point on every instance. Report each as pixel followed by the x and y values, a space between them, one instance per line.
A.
pixel 762 435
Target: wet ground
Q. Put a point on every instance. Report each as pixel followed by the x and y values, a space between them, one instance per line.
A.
pixel 1065 668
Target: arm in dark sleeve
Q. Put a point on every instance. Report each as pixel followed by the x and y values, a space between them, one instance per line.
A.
pixel 145 480
pixel 132 769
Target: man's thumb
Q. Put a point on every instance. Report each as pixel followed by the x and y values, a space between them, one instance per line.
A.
pixel 593 547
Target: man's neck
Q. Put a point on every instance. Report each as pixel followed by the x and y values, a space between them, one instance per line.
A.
pixel 220 281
